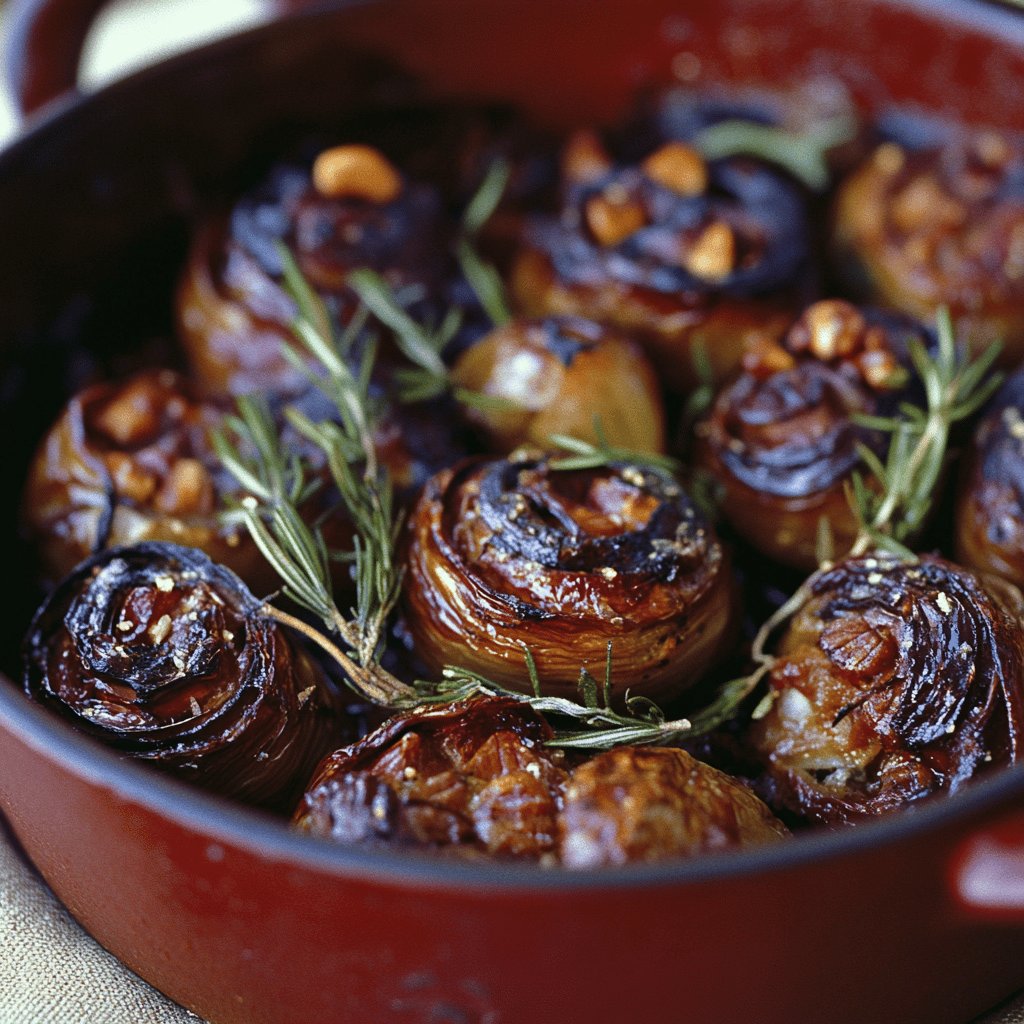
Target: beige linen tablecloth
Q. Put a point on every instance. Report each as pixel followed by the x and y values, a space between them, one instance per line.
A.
pixel 51 972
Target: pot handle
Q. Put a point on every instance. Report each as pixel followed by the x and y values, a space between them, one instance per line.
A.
pixel 987 871
pixel 44 42
pixel 43 46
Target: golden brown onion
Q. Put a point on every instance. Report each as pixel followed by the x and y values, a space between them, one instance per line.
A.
pixel 234 315
pixel 166 657
pixel 474 778
pixel 674 251
pixel 131 462
pixel 942 226
pixel 558 373
pixel 654 803
pixel 894 682
pixel 502 554
pixel 990 504
pixel 781 440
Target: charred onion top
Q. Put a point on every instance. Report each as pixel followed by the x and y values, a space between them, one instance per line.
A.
pixel 354 210
pixel 895 681
pixel 475 778
pixel 781 438
pixel 941 226
pixel 990 509
pixel 507 553
pixel 165 656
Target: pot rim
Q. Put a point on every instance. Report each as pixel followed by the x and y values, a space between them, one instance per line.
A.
pixel 272 839
pixel 268 838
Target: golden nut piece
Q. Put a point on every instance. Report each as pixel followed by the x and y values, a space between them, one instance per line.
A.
pixel 612 221
pixel 584 158
pixel 678 167
pixel 358 171
pixel 836 328
pixel 713 255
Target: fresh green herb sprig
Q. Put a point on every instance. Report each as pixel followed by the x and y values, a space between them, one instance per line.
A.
pixel 891 513
pixel 482 277
pixel 275 482
pixel 587 455
pixel 803 154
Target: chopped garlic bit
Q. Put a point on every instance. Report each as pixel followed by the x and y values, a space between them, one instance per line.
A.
pixel 943 602
pixel 160 630
pixel 165 584
pixel 126 625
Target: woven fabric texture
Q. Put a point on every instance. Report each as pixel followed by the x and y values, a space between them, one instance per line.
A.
pixel 52 972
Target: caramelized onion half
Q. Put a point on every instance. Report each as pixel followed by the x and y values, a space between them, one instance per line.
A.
pixel 894 682
pixel 129 462
pixel 673 251
pixel 781 439
pixel 556 374
pixel 165 656
pixel 474 778
pixel 944 226
pixel 990 505
pixel 511 553
pixel 234 315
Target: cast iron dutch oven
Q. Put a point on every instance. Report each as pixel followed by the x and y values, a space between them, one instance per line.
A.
pixel 914 918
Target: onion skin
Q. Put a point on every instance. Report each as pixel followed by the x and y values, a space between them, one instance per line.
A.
pixel 781 440
pixel 941 226
pixel 233 312
pixel 558 371
pixel 641 283
pixel 224 700
pixel 131 462
pixel 474 779
pixel 895 681
pixel 502 554
pixel 636 804
pixel 990 504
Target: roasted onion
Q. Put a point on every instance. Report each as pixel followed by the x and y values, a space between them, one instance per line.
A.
pixel 781 439
pixel 130 462
pixel 504 554
pixel 475 778
pixel 166 657
pixel 894 682
pixel 674 251
pixel 557 374
pixel 234 315
pixel 940 226
pixel 990 504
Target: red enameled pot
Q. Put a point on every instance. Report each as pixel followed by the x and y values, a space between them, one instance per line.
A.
pixel 915 918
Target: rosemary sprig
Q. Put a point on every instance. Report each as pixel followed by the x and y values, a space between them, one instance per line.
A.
pixel 481 276
pixel 250 447
pixel 801 153
pixel 595 726
pixel 891 513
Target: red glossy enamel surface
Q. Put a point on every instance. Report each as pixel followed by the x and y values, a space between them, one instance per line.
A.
pixel 242 927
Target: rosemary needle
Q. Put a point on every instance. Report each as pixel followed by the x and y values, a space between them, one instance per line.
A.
pixel 250 448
